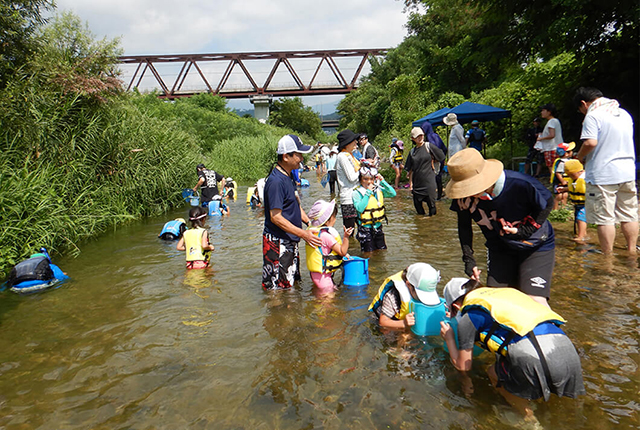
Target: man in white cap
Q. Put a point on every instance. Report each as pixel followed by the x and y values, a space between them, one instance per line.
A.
pixel 422 176
pixel 456 137
pixel 391 304
pixel 511 209
pixel 283 218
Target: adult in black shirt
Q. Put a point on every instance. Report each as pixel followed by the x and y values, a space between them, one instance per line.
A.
pixel 422 176
pixel 531 137
pixel 208 181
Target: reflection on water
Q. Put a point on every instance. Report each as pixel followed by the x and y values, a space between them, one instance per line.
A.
pixel 136 341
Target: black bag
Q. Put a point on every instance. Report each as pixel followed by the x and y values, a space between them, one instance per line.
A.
pixel 532 242
pixel 33 269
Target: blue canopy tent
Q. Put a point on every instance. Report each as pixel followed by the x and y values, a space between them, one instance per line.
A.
pixel 466 112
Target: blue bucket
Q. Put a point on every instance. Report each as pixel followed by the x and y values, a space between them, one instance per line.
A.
pixel 356 271
pixel 194 200
pixel 428 317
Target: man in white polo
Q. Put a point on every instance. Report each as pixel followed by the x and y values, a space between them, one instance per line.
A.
pixel 608 155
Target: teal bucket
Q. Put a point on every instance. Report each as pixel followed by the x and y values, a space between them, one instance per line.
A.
pixel 194 200
pixel 427 317
pixel 356 271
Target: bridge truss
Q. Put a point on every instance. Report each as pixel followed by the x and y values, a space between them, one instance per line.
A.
pixel 194 67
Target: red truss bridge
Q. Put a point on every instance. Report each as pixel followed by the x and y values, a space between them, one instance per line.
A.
pixel 286 73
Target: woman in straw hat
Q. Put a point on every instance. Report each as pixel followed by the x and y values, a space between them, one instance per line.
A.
pixel 511 209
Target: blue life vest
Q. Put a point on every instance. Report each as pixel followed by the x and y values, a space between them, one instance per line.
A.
pixel 173 230
pixel 214 208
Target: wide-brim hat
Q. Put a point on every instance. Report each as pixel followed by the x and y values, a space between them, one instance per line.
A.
pixel 424 279
pixel 450 119
pixel 346 137
pixel 471 173
pixel 320 212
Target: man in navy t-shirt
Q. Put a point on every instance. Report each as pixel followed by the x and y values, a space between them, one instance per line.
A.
pixel 283 217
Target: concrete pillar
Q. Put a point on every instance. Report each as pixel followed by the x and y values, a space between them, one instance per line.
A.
pixel 261 107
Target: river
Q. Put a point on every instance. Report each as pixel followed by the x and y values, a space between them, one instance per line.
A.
pixel 134 341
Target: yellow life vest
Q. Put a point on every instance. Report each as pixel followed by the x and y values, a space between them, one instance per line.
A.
pixel 577 190
pixel 393 282
pixel 374 212
pixel 193 245
pixel 233 187
pixel 398 157
pixel 512 310
pixel 316 261
pixel 554 168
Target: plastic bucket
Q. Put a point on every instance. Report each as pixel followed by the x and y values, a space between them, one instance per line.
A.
pixel 427 318
pixel 214 208
pixel 304 183
pixel 356 271
pixel 194 200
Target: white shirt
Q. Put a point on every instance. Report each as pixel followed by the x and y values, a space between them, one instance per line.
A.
pixel 348 177
pixel 457 141
pixel 612 161
pixel 552 144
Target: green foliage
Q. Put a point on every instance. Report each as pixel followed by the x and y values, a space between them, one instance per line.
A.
pixel 293 114
pixel 561 215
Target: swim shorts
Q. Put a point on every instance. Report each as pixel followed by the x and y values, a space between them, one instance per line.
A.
pixel 349 215
pixel 550 157
pixel 529 272
pixel 371 239
pixel 199 264
pixel 280 262
pixel 521 372
pixel 580 213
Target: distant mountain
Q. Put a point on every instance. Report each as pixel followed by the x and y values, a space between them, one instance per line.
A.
pixel 332 116
pixel 243 112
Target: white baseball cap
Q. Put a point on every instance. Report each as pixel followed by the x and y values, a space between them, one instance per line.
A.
pixel 292 143
pixel 424 279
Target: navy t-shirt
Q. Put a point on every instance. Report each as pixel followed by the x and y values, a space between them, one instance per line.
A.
pixel 521 196
pixel 280 193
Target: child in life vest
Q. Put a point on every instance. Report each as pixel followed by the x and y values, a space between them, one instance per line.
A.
pixel 391 304
pixel 368 200
pixel 558 175
pixel 327 258
pixel 195 241
pixel 577 187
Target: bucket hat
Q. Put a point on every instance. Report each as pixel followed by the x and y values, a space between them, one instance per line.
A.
pixel 424 279
pixel 345 137
pixel 320 212
pixel 450 119
pixel 471 173
pixel 573 166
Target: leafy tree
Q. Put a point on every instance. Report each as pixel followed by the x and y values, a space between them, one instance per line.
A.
pixel 292 113
pixel 19 19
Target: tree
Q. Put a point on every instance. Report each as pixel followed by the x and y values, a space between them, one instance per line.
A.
pixel 19 19
pixel 293 114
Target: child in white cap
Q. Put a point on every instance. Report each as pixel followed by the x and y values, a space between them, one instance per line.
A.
pixel 325 259
pixel 391 304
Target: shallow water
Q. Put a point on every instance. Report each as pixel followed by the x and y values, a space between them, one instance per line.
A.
pixel 135 341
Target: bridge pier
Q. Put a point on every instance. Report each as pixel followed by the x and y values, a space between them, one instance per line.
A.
pixel 261 105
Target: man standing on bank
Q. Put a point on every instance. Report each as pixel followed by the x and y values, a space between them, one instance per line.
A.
pixel 421 168
pixel 511 209
pixel 283 218
pixel 608 155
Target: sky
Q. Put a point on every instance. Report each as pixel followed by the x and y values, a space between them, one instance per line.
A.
pixel 154 27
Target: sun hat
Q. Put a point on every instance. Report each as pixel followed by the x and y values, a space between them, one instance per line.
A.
pixel 471 173
pixel 450 119
pixel 346 137
pixel 229 179
pixel 454 290
pixel 475 122
pixel 573 166
pixel 424 279
pixel 568 146
pixel 416 131
pixel 400 144
pixel 291 143
pixel 320 212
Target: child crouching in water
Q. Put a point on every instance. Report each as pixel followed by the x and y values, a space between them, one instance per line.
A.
pixel 368 200
pixel 327 258
pixel 195 241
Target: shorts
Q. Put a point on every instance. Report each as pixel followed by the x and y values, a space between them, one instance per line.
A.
pixel 398 164
pixel 580 214
pixel 371 238
pixel 349 215
pixel 608 204
pixel 529 272
pixel 280 262
pixel 534 155
pixel 521 372
pixel 550 157
pixel 323 281
pixel 199 264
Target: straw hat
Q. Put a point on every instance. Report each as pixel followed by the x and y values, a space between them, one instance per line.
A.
pixel 450 119
pixel 471 174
